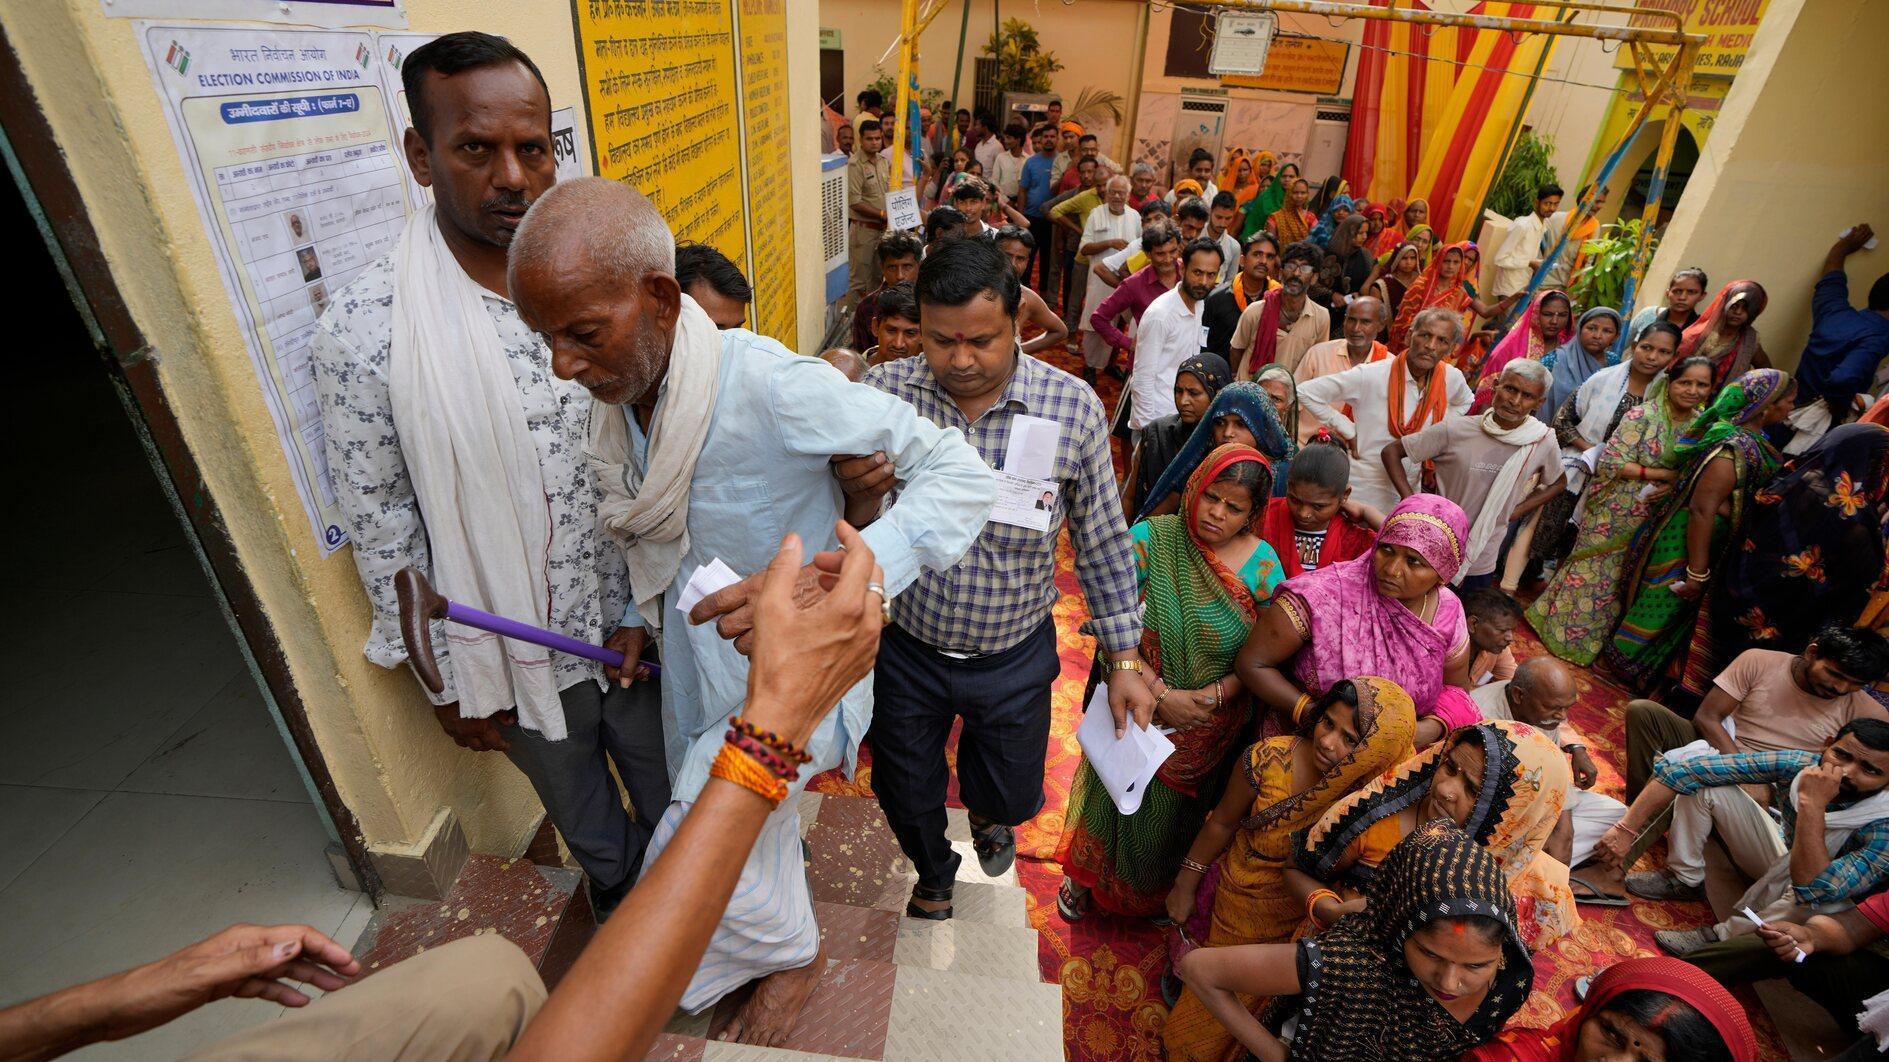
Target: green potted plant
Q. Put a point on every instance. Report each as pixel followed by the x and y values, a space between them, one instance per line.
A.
pixel 1602 280
pixel 1022 64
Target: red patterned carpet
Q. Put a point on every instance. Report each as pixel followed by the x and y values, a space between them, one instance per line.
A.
pixel 1110 968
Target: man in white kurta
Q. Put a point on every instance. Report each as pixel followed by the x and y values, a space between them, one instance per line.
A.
pixel 1366 388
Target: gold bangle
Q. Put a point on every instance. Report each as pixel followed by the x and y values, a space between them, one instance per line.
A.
pixel 732 764
pixel 1124 665
pixel 1299 706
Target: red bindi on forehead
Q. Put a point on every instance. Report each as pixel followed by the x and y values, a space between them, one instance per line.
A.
pixel 1459 928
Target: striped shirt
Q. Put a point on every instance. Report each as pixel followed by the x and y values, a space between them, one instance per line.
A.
pixel 1004 587
pixel 1860 867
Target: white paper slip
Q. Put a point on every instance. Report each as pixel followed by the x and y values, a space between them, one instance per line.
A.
pixel 1023 502
pixel 1869 245
pixel 901 209
pixel 1033 445
pixel 1125 765
pixel 704 581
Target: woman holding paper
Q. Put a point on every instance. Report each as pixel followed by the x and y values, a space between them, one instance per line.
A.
pixel 1202 573
pixel 1356 731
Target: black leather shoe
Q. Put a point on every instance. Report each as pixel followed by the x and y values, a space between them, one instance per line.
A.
pixel 929 895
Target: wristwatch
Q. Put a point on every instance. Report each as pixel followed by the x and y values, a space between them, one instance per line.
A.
pixel 1124 665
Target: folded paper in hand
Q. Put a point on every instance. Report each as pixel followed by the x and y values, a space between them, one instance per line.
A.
pixel 706 580
pixel 1127 764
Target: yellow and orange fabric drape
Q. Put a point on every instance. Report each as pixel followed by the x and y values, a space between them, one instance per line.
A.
pixel 1433 107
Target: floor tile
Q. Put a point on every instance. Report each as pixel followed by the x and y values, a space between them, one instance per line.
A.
pixel 84 714
pixel 670 1047
pixel 143 874
pixel 967 947
pixel 32 819
pixel 720 1052
pixel 846 1015
pixel 857 932
pixel 948 1017
pixel 229 748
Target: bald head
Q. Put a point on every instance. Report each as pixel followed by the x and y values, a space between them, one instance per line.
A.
pixel 1542 691
pixel 848 362
pixel 605 221
pixel 592 269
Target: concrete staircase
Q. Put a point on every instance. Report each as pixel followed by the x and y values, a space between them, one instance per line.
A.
pixel 898 988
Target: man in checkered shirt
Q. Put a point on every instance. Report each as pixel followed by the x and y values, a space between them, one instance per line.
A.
pixel 978 641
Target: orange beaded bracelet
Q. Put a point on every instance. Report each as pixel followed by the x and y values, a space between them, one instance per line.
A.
pixel 734 765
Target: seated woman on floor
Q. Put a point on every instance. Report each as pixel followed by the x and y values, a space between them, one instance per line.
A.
pixel 1353 733
pixel 1390 613
pixel 1432 967
pixel 1648 1008
pixel 1201 574
pixel 1504 783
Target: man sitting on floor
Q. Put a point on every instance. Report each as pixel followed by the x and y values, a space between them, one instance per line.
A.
pixel 1765 701
pixel 1833 847
pixel 1540 694
pixel 1846 961
pixel 1492 617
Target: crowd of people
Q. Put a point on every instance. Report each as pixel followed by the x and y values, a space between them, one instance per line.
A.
pixel 1348 469
pixel 1342 469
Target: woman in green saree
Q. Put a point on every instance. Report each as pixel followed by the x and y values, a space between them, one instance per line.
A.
pixel 1722 460
pixel 1577 614
pixel 1203 572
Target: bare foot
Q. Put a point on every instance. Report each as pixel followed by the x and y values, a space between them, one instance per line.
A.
pixel 774 1008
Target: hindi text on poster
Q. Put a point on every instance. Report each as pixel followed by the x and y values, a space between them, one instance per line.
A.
pixel 656 76
pixel 770 169
pixel 1298 64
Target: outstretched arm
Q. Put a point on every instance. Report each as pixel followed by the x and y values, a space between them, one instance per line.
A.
pixel 627 982
pixel 244 962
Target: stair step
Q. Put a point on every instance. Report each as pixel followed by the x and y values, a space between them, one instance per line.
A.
pixel 543 910
pixel 876 1011
pixel 960 946
pixel 672 1048
pixel 941 1016
pixel 856 862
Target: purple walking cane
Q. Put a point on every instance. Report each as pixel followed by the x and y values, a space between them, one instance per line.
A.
pixel 420 603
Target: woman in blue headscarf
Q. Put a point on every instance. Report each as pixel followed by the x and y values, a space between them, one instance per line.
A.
pixel 1329 219
pixel 1583 355
pixel 1241 413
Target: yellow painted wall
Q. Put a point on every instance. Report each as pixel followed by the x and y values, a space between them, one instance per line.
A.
pixel 1799 152
pixel 1092 39
pixel 394 767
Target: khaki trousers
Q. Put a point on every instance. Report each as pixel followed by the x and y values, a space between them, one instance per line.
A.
pixel 465 1001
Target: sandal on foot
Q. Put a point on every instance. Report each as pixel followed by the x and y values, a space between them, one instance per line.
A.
pixel 929 895
pixel 1595 896
pixel 996 848
pixel 1072 901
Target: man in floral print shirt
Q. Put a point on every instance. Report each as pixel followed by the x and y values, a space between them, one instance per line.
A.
pixel 482 141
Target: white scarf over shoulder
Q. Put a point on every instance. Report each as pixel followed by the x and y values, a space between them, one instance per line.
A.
pixel 648 513
pixel 476 476
pixel 1494 517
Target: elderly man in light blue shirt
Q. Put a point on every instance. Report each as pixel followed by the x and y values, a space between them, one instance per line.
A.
pixel 713 445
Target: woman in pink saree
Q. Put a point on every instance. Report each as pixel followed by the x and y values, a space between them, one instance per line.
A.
pixel 1390 612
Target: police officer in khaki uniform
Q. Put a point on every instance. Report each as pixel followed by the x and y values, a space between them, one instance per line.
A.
pixel 866 175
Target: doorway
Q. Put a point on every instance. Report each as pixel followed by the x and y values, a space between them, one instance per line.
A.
pixel 147 797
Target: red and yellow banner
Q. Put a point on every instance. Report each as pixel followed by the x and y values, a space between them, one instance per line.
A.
pixel 1432 109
